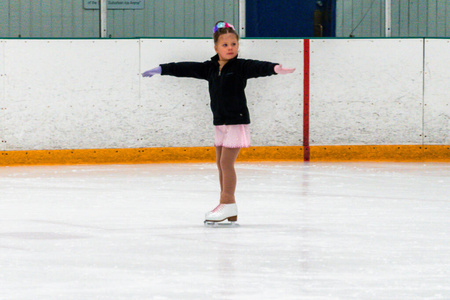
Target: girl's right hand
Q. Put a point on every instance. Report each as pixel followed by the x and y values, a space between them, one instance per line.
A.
pixel 152 72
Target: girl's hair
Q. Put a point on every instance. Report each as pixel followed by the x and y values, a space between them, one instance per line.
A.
pixel 228 28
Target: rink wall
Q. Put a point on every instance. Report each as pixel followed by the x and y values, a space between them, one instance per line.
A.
pixel 84 101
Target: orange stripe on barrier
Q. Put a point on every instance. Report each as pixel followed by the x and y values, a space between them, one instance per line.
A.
pixel 141 155
pixel 400 153
pixel 404 153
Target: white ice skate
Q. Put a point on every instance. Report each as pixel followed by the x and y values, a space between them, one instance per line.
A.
pixel 220 214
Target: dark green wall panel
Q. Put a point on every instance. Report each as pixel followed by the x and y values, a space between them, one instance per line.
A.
pixel 410 18
pixel 159 18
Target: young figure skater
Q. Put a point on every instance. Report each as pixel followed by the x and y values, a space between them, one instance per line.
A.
pixel 227 77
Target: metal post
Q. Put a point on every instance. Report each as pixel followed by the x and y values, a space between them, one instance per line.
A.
pixel 242 18
pixel 103 18
pixel 388 18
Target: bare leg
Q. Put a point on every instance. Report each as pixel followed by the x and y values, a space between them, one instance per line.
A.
pixel 227 174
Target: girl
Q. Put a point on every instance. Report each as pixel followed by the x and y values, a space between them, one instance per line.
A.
pixel 227 77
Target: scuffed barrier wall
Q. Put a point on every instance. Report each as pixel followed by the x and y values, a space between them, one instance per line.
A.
pixel 88 94
pixel 437 93
pixel 178 109
pixel 366 92
pixel 276 102
pixel 70 94
pixel 2 94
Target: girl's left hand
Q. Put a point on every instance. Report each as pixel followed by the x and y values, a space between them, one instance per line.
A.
pixel 280 70
pixel 152 72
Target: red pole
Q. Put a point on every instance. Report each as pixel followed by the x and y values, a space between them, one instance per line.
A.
pixel 306 66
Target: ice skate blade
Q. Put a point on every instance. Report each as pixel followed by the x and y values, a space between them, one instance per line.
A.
pixel 212 224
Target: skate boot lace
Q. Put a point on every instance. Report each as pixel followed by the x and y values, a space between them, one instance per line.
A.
pixel 218 208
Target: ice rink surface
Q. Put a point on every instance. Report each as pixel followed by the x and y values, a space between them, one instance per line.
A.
pixel 307 231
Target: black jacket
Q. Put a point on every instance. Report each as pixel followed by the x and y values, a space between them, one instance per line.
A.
pixel 226 88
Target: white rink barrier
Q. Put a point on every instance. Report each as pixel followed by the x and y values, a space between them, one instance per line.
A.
pixel 380 92
pixel 89 94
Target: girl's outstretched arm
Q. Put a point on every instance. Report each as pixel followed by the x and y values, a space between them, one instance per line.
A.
pixel 255 68
pixel 186 69
pixel 280 70
pixel 180 69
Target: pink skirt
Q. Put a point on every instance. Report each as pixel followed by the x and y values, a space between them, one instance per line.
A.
pixel 232 136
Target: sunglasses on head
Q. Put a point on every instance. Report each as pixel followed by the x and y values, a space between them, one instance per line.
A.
pixel 222 25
